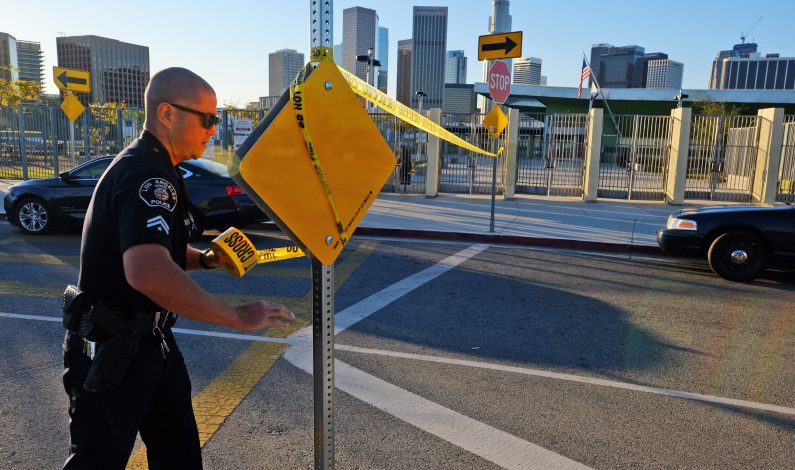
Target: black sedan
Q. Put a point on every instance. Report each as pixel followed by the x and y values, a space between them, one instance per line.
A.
pixel 217 202
pixel 740 242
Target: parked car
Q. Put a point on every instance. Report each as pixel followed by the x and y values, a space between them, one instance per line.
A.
pixel 37 206
pixel 739 242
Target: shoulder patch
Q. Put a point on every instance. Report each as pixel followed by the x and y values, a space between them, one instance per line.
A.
pixel 158 192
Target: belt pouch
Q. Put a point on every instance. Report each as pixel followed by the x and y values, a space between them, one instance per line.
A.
pixel 113 357
pixel 74 303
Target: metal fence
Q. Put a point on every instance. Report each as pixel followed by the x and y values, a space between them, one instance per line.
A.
pixel 722 158
pixel 634 157
pixel 551 154
pixel 464 171
pixel 785 189
pixel 35 139
pixel 409 176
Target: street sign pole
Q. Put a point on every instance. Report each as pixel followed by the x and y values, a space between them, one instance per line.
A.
pixel 493 179
pixel 321 24
pixel 71 144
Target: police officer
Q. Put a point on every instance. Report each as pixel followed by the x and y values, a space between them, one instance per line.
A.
pixel 133 258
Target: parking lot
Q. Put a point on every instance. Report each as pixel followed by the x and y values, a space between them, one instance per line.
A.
pixel 450 356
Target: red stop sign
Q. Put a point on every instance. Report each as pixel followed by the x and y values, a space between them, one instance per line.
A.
pixel 499 81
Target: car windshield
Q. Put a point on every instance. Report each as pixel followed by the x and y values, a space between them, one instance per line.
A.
pixel 210 166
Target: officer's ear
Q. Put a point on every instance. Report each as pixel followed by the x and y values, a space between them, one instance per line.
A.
pixel 166 115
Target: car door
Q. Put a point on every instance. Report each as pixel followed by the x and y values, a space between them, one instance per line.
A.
pixel 781 232
pixel 73 197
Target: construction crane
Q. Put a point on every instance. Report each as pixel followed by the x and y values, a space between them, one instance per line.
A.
pixel 745 35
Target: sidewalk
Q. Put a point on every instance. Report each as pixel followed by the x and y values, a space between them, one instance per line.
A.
pixel 612 225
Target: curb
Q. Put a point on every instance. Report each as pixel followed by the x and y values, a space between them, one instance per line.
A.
pixel 487 238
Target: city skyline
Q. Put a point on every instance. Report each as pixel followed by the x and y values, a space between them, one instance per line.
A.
pixel 235 60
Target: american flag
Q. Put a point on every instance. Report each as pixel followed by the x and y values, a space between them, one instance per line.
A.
pixel 586 72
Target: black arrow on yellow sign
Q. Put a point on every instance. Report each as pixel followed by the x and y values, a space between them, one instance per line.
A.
pixel 506 46
pixel 66 79
pixel 500 46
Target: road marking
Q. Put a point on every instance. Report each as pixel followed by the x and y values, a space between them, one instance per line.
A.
pixel 471 435
pixel 477 364
pixel 575 378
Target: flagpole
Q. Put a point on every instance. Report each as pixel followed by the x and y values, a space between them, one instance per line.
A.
pixel 604 98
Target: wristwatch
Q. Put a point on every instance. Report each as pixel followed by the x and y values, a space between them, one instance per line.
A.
pixel 203 259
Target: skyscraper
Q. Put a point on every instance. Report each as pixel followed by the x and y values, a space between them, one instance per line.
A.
pixel 283 66
pixel 9 67
pixel 527 71
pixel 382 54
pixel 499 22
pixel 358 35
pixel 119 70
pixel 429 35
pixel 456 67
pixel 743 68
pixel 403 85
pixel 31 61
pixel 615 67
pixel 664 73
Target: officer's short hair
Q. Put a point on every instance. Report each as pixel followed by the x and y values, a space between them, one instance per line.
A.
pixel 174 84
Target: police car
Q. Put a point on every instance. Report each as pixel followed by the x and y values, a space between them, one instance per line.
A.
pixel 40 205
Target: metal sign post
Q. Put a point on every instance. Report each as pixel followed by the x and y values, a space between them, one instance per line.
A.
pixel 321 25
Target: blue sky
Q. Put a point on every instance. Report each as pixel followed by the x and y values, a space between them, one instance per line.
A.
pixel 228 42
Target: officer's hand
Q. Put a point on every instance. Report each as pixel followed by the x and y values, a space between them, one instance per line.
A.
pixel 259 314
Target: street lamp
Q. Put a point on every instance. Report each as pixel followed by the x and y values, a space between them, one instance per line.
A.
pixel 420 96
pixel 369 60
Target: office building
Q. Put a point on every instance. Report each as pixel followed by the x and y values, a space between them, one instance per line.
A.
pixel 358 37
pixel 527 71
pixel 459 98
pixel 499 22
pixel 403 83
pixel 382 54
pixel 31 61
pixel 338 54
pixel 9 67
pixel 664 73
pixel 743 68
pixel 119 70
pixel 616 67
pixel 642 68
pixel 456 68
pixel 283 66
pixel 429 33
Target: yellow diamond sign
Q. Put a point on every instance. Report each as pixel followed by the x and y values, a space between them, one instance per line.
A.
pixel 72 107
pixel 495 121
pixel 317 202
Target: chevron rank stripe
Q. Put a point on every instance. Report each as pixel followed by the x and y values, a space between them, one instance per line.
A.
pixel 159 222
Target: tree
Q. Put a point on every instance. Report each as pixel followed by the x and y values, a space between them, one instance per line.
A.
pixel 711 107
pixel 104 113
pixel 13 93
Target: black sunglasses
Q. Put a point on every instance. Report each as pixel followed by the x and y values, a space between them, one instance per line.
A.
pixel 208 120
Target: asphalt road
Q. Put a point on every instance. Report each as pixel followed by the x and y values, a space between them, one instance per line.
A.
pixel 513 354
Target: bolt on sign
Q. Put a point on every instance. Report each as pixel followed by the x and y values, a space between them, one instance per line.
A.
pixel 315 163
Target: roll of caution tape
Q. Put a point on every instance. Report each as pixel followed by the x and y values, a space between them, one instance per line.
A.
pixel 404 113
pixel 237 254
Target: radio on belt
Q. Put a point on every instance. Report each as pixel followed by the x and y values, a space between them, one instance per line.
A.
pixel 238 255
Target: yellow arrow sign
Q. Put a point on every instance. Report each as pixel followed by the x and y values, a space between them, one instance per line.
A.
pixel 500 46
pixel 495 121
pixel 72 80
pixel 71 106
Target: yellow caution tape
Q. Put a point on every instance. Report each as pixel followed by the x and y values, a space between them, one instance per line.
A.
pixel 403 112
pixel 296 97
pixel 237 254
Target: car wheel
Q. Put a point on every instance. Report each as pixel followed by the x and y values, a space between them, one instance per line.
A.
pixel 738 256
pixel 33 216
pixel 196 224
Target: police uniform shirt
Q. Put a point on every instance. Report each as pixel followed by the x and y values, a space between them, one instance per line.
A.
pixel 139 200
